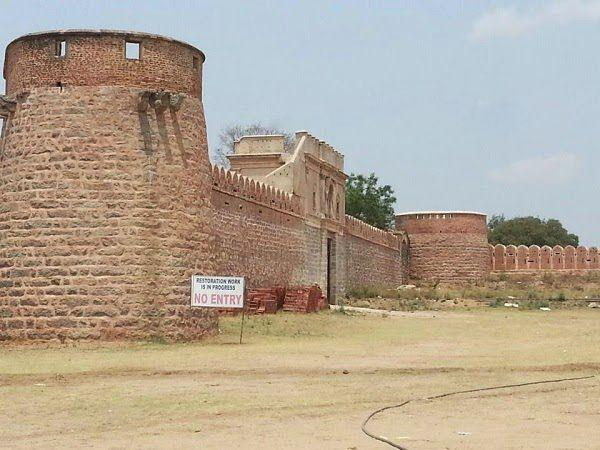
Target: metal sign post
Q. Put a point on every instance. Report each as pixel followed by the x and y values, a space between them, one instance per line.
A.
pixel 243 315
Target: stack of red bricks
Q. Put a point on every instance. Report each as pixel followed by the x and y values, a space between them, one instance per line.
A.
pixel 265 300
pixel 303 299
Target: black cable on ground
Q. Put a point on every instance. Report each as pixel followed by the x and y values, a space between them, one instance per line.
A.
pixel 448 394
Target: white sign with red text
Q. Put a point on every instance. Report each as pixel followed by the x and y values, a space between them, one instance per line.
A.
pixel 217 292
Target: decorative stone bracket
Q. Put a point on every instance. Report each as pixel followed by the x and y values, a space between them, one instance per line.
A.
pixel 7 106
pixel 160 101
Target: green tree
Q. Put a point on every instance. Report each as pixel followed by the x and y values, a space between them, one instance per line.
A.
pixel 529 231
pixel 369 202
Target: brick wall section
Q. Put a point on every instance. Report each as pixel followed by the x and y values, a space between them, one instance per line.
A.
pixel 263 235
pixel 370 264
pixel 258 235
pixel 98 59
pixel 511 258
pixel 104 215
pixel 373 257
pixel 448 247
pixel 314 268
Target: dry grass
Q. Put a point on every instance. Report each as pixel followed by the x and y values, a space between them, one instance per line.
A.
pixel 530 290
pixel 285 386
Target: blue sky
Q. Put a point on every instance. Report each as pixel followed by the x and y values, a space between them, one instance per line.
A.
pixel 470 105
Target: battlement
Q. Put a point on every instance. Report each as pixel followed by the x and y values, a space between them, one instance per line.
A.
pixel 102 58
pixel 320 150
pixel 522 257
pixel 357 227
pixel 427 222
pixel 233 183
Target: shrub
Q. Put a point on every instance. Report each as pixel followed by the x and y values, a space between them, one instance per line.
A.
pixel 561 297
pixel 497 303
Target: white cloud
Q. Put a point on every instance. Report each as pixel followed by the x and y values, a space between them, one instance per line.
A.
pixel 544 170
pixel 509 22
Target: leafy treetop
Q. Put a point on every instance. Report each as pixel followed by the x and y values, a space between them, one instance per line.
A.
pixel 529 231
pixel 369 202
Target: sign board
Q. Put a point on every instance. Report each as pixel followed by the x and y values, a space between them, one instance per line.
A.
pixel 217 292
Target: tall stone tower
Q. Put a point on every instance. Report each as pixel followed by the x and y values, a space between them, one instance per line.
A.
pixel 104 187
pixel 448 246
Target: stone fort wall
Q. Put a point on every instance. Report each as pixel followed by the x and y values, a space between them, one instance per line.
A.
pixel 108 203
pixel 262 233
pixel 259 231
pixel 511 257
pixel 373 256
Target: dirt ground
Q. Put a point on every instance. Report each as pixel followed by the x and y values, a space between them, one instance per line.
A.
pixel 308 381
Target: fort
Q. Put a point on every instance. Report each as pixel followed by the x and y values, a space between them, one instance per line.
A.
pixel 109 204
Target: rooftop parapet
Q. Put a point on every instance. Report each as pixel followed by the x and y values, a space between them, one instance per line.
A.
pixel 65 58
pixel 357 227
pixel 320 150
pixel 442 222
pixel 521 257
pixel 233 183
pixel 259 144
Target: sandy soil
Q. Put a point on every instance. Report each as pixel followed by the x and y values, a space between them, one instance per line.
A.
pixel 285 387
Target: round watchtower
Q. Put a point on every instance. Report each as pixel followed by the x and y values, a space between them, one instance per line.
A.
pixel 104 187
pixel 102 58
pixel 448 246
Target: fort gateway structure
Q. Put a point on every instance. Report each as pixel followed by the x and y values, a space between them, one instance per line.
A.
pixel 108 201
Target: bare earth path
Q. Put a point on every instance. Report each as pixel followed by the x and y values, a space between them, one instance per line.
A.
pixel 285 387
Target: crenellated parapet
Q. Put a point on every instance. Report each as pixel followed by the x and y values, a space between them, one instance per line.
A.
pixel 357 227
pixel 511 257
pixel 313 172
pixel 240 186
pixel 68 58
pixel 321 150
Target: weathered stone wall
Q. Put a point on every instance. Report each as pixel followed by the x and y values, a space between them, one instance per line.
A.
pixel 510 257
pixel 98 59
pixel 446 246
pixel 258 232
pixel 371 264
pixel 374 257
pixel 104 216
pixel 315 264
pixel 262 234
